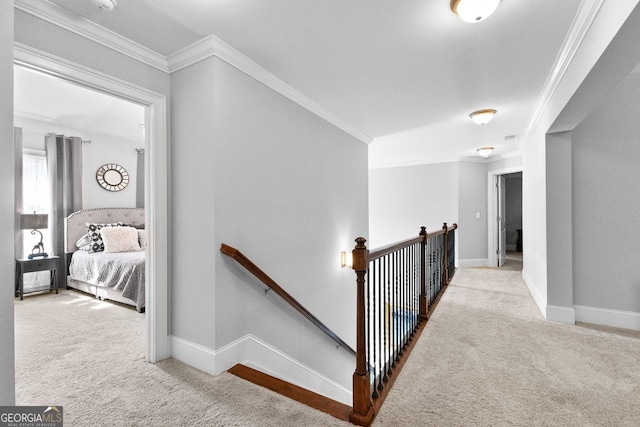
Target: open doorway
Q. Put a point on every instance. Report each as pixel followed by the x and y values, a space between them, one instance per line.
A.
pixel 65 133
pixel 155 186
pixel 510 246
pixel 505 234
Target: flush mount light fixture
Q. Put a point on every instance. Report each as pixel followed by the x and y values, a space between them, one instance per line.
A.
pixel 485 151
pixel 482 117
pixel 474 10
pixel 107 5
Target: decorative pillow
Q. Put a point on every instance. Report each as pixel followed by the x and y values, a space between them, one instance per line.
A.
pixel 120 239
pixel 135 225
pixel 142 239
pixel 83 243
pixel 93 232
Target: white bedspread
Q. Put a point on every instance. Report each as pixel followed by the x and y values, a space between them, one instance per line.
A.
pixel 122 271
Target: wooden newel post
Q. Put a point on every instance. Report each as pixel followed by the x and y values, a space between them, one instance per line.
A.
pixel 445 258
pixel 362 413
pixel 424 304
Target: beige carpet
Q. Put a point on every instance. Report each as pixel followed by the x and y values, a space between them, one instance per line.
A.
pixel 486 358
pixel 88 356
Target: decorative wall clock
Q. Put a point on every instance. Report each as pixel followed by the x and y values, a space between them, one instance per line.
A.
pixel 112 177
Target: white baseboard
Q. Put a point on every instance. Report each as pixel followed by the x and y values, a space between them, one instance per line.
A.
pixel 540 302
pixel 469 263
pixel 196 355
pixel 253 352
pixel 556 313
pixel 608 317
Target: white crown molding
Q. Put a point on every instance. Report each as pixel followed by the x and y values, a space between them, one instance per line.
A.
pixel 205 48
pixel 418 162
pixel 213 46
pixel 586 14
pixel 505 156
pixel 464 159
pixel 56 15
pixel 39 60
pixel 61 122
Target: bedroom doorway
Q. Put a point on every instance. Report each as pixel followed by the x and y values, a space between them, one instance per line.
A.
pixel 154 144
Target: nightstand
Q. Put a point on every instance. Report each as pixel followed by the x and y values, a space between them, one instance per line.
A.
pixel 32 265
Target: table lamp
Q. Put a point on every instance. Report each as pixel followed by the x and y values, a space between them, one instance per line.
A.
pixel 33 222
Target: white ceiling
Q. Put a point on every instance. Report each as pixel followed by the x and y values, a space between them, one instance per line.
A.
pixel 406 73
pixel 52 100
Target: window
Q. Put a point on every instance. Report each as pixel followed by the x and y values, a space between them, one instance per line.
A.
pixel 35 195
pixel 35 182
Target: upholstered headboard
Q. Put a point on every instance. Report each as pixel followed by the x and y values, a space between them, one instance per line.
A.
pixel 75 224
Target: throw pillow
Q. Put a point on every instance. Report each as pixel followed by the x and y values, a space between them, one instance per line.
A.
pixel 93 231
pixel 120 239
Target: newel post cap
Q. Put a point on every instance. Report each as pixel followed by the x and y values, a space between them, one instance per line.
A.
pixel 359 255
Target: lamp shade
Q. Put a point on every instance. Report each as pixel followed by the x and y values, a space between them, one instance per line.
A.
pixel 34 221
pixel 474 10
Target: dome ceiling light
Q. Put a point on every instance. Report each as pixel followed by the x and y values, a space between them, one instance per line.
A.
pixel 482 117
pixel 474 10
pixel 107 5
pixel 485 151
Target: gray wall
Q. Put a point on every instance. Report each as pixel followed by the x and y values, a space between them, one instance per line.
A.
pixel 559 220
pixel 193 207
pixel 402 199
pixel 472 234
pixel 605 26
pixel 102 149
pixel 7 267
pixel 606 202
pixel 289 190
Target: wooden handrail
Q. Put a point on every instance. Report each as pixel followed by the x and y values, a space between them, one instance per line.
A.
pixel 397 288
pixel 271 284
pixel 385 250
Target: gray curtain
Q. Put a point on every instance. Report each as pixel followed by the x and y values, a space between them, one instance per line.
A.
pixel 18 241
pixel 140 179
pixel 64 167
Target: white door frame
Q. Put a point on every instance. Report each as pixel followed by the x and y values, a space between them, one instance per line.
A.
pixel 156 181
pixel 492 213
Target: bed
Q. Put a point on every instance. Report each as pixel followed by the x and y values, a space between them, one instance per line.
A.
pixel 111 268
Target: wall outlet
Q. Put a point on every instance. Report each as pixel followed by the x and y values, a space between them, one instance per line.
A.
pixel 477 215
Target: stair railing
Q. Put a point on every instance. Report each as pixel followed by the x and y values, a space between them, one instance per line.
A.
pixel 398 287
pixel 272 285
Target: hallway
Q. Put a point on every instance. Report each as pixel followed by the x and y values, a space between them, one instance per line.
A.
pixel 485 358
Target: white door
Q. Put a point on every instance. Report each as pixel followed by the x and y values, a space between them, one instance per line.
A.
pixel 502 221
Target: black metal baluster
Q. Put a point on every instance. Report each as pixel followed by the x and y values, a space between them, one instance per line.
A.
pixel 416 286
pixel 401 287
pixel 381 368
pixel 374 333
pixel 367 323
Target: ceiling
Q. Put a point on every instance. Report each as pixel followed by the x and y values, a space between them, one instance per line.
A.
pixel 40 97
pixel 405 73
